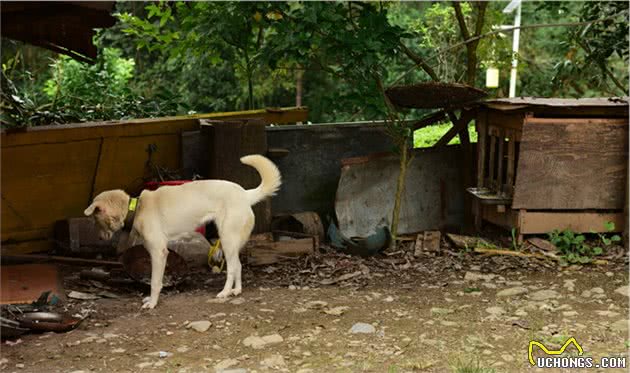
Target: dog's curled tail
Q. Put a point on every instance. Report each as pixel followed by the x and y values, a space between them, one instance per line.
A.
pixel 270 175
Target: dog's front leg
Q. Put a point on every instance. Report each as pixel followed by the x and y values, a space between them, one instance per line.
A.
pixel 158 254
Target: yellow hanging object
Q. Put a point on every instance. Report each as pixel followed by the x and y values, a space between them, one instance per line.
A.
pixel 213 250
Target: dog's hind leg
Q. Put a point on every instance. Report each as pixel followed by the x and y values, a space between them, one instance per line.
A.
pixel 234 234
pixel 158 251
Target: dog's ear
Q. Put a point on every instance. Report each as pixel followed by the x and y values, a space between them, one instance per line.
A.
pixel 94 208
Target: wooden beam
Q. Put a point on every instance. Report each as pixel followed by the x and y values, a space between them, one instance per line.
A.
pixel 458 125
pixel 429 120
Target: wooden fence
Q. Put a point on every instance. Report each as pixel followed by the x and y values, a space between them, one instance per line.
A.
pixel 51 173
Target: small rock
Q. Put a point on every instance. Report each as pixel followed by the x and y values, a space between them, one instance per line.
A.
pixel 607 313
pixel 474 276
pixel 257 342
pixel 199 326
pixel 448 323
pixel 19 366
pixel 292 287
pixel 118 350
pixel 144 365
pixel 495 311
pixel 316 304
pixel 541 295
pixel 237 301
pixel 623 290
pixel 337 311
pixel 158 364
pixel 362 327
pixel 569 313
pixel 441 311
pixel 586 294
pixel 388 299
pixel 512 291
pixel 183 349
pixel 224 364
pixel 274 361
pixel 620 326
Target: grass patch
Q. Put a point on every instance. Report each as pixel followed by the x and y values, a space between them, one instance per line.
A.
pixel 427 137
pixel 470 366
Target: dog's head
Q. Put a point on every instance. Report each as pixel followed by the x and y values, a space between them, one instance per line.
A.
pixel 109 211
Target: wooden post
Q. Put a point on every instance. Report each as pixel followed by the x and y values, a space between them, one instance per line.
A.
pixel 228 142
pixel 481 124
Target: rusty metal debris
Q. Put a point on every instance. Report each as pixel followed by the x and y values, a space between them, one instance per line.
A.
pixel 48 322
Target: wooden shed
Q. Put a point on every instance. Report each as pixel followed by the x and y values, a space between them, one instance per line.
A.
pixel 545 164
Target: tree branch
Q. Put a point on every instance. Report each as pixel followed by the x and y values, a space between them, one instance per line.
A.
pixel 419 61
pixel 509 29
pixel 460 20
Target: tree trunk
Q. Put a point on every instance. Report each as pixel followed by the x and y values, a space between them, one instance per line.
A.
pixel 299 86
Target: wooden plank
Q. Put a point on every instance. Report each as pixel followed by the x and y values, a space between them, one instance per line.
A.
pixel 511 163
pixel 499 185
pixel 482 127
pixel 512 120
pixel 461 123
pixel 141 127
pixel 27 247
pixel 572 164
pixel 43 183
pixel 534 222
pixel 491 166
pixel 507 219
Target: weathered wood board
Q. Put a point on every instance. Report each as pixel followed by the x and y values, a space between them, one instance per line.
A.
pixel 568 164
pixel 51 173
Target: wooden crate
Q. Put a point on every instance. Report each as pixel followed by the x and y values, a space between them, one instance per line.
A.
pixel 539 174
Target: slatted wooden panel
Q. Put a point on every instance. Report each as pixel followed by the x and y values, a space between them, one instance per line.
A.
pixel 572 164
pixel 499 146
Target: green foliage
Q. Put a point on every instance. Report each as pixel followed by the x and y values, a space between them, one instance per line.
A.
pixel 574 247
pixel 427 137
pixel 85 92
pixel 220 56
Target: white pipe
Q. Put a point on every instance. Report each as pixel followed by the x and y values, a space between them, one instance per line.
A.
pixel 517 32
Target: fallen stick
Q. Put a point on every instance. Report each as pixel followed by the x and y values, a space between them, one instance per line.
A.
pixel 525 255
pixel 60 259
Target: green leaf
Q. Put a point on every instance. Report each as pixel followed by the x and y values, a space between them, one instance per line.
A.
pixel 610 226
pixel 598 251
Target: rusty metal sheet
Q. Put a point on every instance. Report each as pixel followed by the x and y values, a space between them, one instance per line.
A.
pixel 25 283
pixel 433 197
pixel 525 102
pixel 434 95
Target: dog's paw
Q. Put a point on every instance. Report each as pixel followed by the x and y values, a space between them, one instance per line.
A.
pixel 236 292
pixel 224 294
pixel 148 303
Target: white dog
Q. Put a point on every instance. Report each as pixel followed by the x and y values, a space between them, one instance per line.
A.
pixel 170 211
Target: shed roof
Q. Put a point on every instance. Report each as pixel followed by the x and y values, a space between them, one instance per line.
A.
pixel 528 102
pixel 61 26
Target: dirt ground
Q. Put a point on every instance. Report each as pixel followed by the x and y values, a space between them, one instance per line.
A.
pixel 453 312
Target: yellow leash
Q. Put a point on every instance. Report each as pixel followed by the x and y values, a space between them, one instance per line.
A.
pixel 211 252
